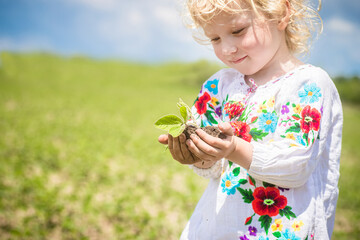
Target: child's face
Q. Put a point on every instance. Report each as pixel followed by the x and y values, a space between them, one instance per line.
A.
pixel 247 44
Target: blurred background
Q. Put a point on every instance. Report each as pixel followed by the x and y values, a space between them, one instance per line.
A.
pixel 81 84
pixel 152 31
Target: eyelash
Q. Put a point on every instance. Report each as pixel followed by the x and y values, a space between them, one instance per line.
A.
pixel 234 33
pixel 238 31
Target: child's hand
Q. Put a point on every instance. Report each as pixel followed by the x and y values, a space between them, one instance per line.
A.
pixel 209 148
pixel 178 149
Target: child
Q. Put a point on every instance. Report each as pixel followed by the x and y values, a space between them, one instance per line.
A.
pixel 275 176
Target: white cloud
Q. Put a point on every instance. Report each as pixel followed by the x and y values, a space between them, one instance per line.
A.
pixel 167 15
pixel 341 26
pixel 107 5
pixel 135 17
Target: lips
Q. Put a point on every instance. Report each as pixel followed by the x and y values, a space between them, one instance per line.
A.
pixel 239 60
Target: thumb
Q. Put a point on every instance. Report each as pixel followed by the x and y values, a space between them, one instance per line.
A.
pixel 226 128
pixel 163 139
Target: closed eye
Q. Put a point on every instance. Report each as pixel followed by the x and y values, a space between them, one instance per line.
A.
pixel 215 39
pixel 238 31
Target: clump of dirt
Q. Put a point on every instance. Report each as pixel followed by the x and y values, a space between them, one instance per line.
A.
pixel 211 130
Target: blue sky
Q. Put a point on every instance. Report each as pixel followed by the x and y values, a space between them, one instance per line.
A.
pixel 152 31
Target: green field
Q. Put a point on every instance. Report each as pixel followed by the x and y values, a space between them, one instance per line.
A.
pixel 79 153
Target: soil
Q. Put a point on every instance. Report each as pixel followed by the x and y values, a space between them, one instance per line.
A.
pixel 211 130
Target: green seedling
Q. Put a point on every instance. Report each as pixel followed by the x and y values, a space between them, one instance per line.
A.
pixel 175 125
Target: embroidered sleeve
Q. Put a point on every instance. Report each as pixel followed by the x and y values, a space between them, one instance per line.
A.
pixel 299 126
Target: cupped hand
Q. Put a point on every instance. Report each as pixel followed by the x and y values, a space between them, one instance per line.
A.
pixel 209 148
pixel 178 149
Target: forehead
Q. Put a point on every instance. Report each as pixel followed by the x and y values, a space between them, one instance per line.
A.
pixel 226 20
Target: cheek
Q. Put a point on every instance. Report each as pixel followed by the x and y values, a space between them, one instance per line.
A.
pixel 249 41
pixel 255 39
pixel 218 52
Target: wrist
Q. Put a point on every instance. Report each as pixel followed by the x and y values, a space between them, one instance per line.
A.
pixel 204 164
pixel 242 153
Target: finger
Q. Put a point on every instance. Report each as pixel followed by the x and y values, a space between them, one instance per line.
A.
pixel 188 156
pixel 163 139
pixel 171 146
pixel 210 141
pixel 226 128
pixel 201 149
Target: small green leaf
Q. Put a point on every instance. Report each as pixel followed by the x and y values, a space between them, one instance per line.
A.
pixel 266 184
pixel 265 222
pixel 247 195
pixel 236 171
pixel 277 234
pixel 295 128
pixel 243 181
pixel 184 113
pixel 168 121
pixel 257 134
pixel 287 212
pixel 176 130
pixel 210 117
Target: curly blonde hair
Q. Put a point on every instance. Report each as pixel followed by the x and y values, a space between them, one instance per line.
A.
pixel 305 22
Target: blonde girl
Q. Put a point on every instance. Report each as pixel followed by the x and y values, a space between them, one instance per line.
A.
pixel 275 176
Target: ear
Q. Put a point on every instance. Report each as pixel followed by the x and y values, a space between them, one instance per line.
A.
pixel 286 18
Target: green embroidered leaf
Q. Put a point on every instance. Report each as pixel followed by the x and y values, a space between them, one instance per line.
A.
pixel 257 134
pixel 288 103
pixel 293 105
pixel 277 234
pixel 210 117
pixel 265 222
pixel 264 111
pixel 236 171
pixel 266 184
pixel 247 194
pixel 175 131
pixel 307 237
pixel 295 128
pixel 287 212
pixel 167 122
pixel 305 137
pixel 243 181
pixel 283 136
pixel 230 164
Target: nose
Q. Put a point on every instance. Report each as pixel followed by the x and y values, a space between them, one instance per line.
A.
pixel 228 49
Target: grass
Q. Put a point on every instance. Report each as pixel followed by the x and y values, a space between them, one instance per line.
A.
pixel 79 153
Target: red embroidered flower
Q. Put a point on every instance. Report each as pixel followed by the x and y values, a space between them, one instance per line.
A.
pixel 310 119
pixel 241 129
pixel 234 109
pixel 200 104
pixel 268 201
